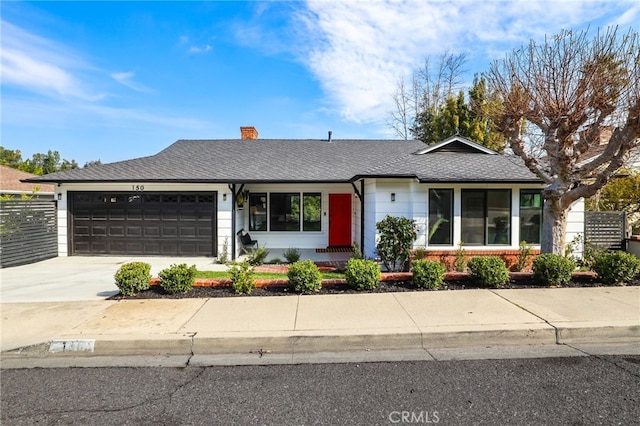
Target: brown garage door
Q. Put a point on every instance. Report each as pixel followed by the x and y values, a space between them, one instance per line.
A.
pixel 142 223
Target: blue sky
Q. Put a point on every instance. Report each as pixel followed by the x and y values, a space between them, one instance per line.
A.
pixel 119 80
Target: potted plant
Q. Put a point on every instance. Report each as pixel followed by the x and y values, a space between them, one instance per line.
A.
pixel 241 198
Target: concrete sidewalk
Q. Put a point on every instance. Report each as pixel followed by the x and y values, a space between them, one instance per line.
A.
pixel 289 328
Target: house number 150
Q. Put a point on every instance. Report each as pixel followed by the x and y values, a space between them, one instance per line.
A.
pixel 138 188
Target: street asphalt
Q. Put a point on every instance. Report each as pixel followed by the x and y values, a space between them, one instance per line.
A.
pixel 55 313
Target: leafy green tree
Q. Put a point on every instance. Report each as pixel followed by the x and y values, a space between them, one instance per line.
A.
pixel 92 163
pixel 449 119
pixel 621 193
pixel 39 164
pixel 456 116
pixel 42 164
pixel 68 165
pixel 10 158
pixel 481 128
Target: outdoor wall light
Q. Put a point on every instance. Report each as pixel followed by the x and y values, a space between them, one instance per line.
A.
pixel 393 196
pixel 224 197
pixel 59 197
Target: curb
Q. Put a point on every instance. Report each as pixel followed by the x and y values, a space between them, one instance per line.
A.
pixel 288 342
pixel 587 333
pixel 437 337
pixel 279 347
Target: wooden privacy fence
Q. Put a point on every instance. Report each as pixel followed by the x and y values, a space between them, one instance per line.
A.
pixel 28 231
pixel 605 230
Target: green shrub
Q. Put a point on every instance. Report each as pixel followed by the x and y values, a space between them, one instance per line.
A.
pixel 616 267
pixel 133 277
pixel 489 271
pixel 304 276
pixel 428 274
pixel 355 249
pixel 242 277
pixel 178 278
pixel 362 274
pixel 419 253
pixel 256 257
pixel 292 255
pixel 224 254
pixel 460 261
pixel 397 235
pixel 524 254
pixel 553 269
pixel 589 256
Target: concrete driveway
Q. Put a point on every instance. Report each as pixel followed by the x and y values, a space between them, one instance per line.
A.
pixel 78 277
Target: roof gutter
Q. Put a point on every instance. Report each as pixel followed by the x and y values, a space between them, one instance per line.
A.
pixel 481 181
pixel 218 181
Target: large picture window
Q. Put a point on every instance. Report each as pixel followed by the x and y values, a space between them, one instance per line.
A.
pixel 311 212
pixel 486 216
pixel 440 217
pixel 530 215
pixel 285 211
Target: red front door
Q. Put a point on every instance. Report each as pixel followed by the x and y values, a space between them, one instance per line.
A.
pixel 339 220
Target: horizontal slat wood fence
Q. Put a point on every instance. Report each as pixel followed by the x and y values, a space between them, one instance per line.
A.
pixel 605 230
pixel 28 231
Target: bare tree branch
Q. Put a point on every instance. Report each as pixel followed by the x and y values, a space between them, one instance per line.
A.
pixel 428 89
pixel 583 96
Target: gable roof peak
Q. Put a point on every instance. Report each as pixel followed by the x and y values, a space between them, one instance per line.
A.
pixel 467 144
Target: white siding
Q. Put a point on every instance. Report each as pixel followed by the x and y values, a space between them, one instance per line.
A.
pixel 301 240
pixel 575 226
pixel 370 200
pixel 63 247
pixel 411 200
pixel 224 220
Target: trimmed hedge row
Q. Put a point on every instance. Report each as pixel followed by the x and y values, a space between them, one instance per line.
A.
pixel 612 268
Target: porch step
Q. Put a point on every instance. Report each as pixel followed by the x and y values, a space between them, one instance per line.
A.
pixel 334 250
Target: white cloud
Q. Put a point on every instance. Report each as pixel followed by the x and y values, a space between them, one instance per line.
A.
pixel 66 118
pixel 126 79
pixel 185 41
pixel 630 17
pixel 200 49
pixel 359 49
pixel 40 65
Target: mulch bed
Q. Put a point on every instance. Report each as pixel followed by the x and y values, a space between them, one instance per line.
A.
pixel 156 292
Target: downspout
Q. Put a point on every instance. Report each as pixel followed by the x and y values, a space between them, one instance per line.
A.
pixel 233 221
pixel 360 195
pixel 362 216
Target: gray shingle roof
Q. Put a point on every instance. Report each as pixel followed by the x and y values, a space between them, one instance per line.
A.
pixel 290 160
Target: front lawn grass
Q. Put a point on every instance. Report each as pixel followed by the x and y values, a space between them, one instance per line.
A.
pixel 218 275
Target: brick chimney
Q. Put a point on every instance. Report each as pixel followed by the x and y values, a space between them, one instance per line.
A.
pixel 248 132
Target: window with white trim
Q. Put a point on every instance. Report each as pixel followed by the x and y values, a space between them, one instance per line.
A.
pixel 486 216
pixel 531 215
pixel 440 217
